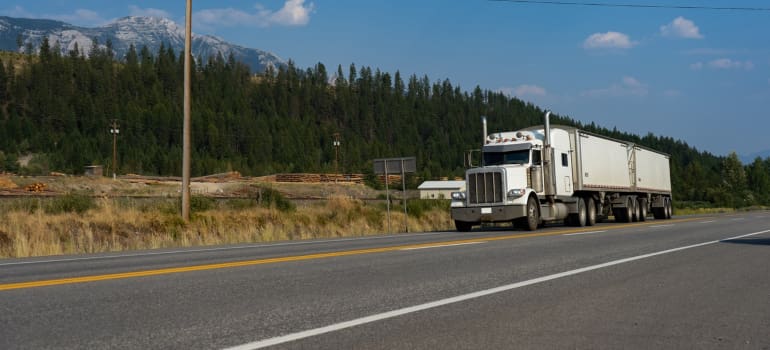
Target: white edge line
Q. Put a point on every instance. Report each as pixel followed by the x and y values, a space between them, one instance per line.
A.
pixel 407 310
pixel 584 233
pixel 251 246
pixel 656 226
pixel 441 246
pixel 706 222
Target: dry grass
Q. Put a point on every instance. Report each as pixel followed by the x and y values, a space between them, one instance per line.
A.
pixel 118 225
pixel 702 211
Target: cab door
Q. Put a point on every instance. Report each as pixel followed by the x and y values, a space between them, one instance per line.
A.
pixel 563 172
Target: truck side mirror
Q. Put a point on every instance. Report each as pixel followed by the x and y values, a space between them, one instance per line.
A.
pixel 468 161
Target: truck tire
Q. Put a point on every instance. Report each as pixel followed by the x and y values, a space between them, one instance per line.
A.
pixel 578 219
pixel 634 209
pixel 669 208
pixel 532 220
pixel 590 212
pixel 642 209
pixel 463 226
pixel 659 213
pixel 624 214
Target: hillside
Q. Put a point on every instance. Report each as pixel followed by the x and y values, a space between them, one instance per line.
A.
pixel 61 107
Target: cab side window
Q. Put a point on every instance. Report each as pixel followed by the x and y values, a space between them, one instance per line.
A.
pixel 536 160
pixel 564 160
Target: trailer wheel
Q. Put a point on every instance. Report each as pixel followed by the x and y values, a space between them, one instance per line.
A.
pixel 642 209
pixel 669 208
pixel 659 213
pixel 634 209
pixel 624 214
pixel 463 226
pixel 590 212
pixel 532 220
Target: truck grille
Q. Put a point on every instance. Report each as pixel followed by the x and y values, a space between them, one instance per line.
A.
pixel 485 187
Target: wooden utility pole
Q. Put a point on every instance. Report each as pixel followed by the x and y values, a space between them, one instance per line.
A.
pixel 186 107
pixel 114 131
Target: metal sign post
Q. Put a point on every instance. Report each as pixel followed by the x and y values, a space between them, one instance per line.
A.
pixel 403 196
pixel 387 194
pixel 402 165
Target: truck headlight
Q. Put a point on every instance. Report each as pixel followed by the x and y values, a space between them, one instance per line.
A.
pixel 458 196
pixel 516 192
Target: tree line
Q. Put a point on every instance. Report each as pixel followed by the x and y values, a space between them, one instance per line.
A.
pixel 60 107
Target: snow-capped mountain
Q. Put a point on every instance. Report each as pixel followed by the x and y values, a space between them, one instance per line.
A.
pixel 17 33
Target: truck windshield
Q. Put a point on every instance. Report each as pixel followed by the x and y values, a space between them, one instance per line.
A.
pixel 501 158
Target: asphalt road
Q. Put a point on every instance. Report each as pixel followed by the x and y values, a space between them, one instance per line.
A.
pixel 690 282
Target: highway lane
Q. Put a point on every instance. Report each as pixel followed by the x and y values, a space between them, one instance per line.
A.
pixel 714 295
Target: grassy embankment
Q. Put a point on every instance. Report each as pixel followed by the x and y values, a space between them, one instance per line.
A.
pixel 73 224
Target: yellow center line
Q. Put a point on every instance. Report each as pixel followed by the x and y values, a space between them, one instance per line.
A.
pixel 166 271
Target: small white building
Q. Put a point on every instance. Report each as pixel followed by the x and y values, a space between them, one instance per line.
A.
pixel 440 189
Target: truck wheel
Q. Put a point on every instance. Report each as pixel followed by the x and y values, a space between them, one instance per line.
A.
pixel 669 209
pixel 624 214
pixel 634 209
pixel 642 209
pixel 659 213
pixel 533 216
pixel 463 226
pixel 578 219
pixel 590 212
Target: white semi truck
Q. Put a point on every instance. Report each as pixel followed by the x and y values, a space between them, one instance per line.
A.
pixel 546 174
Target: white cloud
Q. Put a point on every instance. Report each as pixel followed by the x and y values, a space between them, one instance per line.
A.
pixel 723 63
pixel 529 90
pixel 148 12
pixel 608 40
pixel 681 27
pixel 293 13
pixel 629 86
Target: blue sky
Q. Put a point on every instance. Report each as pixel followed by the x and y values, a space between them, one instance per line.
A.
pixel 696 75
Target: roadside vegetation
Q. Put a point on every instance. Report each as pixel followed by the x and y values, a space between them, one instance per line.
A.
pixel 73 224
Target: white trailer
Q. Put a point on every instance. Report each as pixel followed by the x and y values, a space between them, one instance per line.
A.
pixel 543 174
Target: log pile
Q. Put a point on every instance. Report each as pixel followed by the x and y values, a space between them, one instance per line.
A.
pixel 222 177
pixel 325 178
pixel 35 187
pixel 320 178
pixel 6 183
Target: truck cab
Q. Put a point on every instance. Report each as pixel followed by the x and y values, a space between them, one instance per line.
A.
pixel 540 174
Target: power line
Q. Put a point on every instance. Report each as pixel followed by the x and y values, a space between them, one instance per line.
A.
pixel 632 5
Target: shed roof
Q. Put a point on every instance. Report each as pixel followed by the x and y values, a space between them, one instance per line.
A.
pixel 441 185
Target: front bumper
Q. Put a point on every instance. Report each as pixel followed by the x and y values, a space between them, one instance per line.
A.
pixel 492 213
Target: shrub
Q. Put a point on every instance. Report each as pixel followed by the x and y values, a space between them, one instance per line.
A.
pixel 70 203
pixel 271 198
pixel 418 207
pixel 241 204
pixel 28 205
pixel 199 203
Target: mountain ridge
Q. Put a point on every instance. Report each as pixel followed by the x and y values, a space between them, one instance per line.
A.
pixel 122 33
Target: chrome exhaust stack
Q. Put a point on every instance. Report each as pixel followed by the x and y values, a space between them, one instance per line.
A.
pixel 484 129
pixel 548 165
